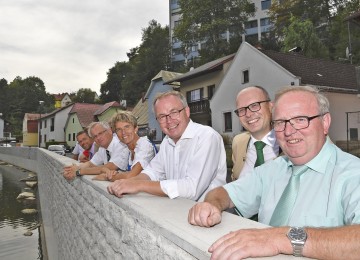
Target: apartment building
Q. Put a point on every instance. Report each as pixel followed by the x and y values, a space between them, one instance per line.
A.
pixel 254 28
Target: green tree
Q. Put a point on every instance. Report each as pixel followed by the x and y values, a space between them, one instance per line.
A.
pixel 146 60
pixel 84 95
pixel 112 88
pixel 208 22
pixel 302 34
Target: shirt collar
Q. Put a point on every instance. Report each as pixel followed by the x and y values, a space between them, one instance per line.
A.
pixel 320 161
pixel 268 139
pixel 188 133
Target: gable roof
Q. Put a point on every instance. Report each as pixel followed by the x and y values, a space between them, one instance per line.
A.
pixel 106 106
pixel 165 76
pixel 203 69
pixel 32 117
pixel 140 111
pixel 85 112
pixel 326 74
pixel 43 116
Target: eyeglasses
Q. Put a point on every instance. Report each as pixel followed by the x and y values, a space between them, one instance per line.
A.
pixel 252 107
pixel 299 122
pixel 99 134
pixel 126 128
pixel 173 115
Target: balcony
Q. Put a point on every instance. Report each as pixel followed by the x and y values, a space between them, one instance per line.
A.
pixel 200 106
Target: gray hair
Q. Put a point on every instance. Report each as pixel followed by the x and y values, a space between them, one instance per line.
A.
pixel 170 93
pixel 124 116
pixel 323 102
pixel 105 125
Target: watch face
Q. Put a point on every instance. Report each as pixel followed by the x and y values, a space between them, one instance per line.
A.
pixel 297 234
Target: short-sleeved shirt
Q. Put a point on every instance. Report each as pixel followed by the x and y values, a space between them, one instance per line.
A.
pixel 119 154
pixel 192 166
pixel 328 196
pixel 144 152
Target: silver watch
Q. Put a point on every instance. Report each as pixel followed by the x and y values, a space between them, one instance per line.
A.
pixel 297 236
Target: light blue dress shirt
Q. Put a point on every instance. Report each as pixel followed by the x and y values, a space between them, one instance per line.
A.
pixel 329 193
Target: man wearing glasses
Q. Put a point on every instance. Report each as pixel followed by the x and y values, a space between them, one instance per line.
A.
pixel 112 153
pixel 191 159
pixel 254 112
pixel 310 195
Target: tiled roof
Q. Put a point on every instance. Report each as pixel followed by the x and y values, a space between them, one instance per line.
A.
pixel 106 107
pixel 30 116
pixel 85 112
pixel 203 69
pixel 318 72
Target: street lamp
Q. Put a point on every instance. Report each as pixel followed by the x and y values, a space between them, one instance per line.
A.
pixel 40 103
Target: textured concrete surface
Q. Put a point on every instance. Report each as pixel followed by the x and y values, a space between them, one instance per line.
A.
pixel 83 221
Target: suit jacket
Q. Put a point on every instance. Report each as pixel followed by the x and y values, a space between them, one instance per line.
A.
pixel 239 150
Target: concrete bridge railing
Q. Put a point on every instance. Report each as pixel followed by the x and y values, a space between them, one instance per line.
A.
pixel 82 220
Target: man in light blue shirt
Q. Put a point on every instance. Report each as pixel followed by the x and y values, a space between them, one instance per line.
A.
pixel 325 194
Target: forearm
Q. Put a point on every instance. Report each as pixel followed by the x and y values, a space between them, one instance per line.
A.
pixel 151 187
pixel 333 243
pixel 219 198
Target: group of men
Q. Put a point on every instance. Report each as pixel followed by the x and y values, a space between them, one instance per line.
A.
pixel 307 189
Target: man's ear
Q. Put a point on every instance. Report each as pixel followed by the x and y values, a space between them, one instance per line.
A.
pixel 326 123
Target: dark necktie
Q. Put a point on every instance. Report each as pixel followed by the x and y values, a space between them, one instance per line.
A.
pixel 108 155
pixel 259 145
pixel 287 200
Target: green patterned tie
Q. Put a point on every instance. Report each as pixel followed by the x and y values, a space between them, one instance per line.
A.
pixel 259 145
pixel 287 200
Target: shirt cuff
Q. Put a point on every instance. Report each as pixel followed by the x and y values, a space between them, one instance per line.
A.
pixel 170 188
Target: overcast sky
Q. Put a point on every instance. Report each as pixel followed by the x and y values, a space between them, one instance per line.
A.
pixel 71 44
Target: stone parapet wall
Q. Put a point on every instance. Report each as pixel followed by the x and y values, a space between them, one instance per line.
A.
pixel 82 220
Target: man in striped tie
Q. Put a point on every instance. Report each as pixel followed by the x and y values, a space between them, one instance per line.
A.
pixel 310 195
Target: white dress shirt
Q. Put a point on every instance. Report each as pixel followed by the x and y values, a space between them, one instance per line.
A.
pixel 193 166
pixel 119 154
pixel 271 151
pixel 144 152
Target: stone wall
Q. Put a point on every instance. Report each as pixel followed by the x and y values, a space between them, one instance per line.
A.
pixel 82 220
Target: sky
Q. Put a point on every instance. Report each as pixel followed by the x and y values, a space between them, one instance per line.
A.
pixel 71 44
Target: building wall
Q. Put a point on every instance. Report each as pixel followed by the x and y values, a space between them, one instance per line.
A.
pixel 81 220
pixel 107 115
pixel 339 105
pixel 1 128
pixel 72 127
pixel 30 139
pixel 58 134
pixel 261 72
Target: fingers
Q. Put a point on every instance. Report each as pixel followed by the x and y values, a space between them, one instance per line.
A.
pixel 204 214
pixel 116 188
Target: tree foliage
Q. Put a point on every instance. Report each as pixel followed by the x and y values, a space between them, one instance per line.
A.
pixel 22 96
pixel 208 22
pixel 316 25
pixel 128 80
pixel 302 34
pixel 84 95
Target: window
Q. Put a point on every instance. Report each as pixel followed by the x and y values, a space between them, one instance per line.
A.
pixel 264 21
pixel 265 5
pixel 73 120
pixel 73 136
pixel 211 91
pixel 194 95
pixel 40 124
pixel 69 137
pixel 227 122
pixel 52 126
pixel 245 76
pixel 176 23
pixel 353 134
pixel 177 51
pixel 44 138
pixel 45 123
pixel 251 24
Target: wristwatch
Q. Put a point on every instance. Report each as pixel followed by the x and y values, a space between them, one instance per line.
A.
pixel 78 173
pixel 297 236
